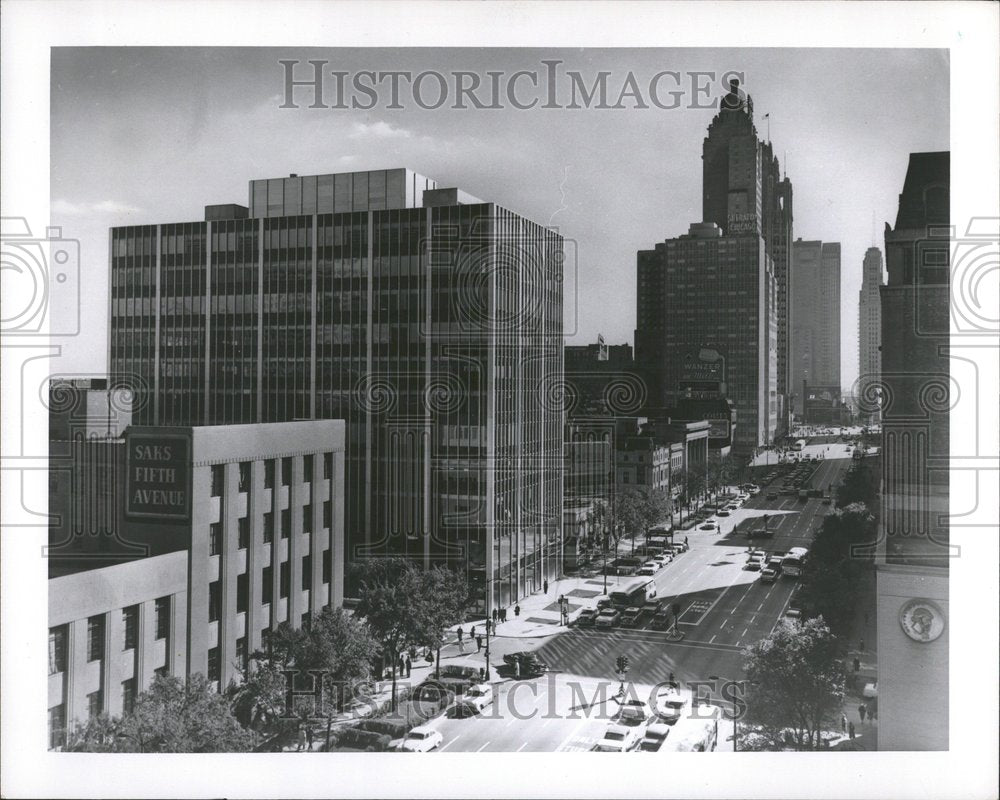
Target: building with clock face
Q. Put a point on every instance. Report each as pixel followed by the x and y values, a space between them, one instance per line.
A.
pixel 914 548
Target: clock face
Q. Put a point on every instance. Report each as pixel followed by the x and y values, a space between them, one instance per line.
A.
pixel 921 620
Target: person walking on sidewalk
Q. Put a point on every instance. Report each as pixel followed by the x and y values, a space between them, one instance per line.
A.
pixel 545 586
pixel 843 722
pixel 857 664
pixel 503 614
pixel 461 645
pixel 309 738
pixel 479 644
pixel 517 610
pixel 495 614
pixel 861 711
pixel 472 633
pixel 302 738
pixel 409 666
pixel 850 730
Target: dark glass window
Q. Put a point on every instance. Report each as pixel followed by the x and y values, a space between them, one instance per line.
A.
pixel 284 578
pixel 286 523
pixel 327 465
pixel 95 638
pixel 244 476
pixel 268 527
pixel 57 726
pixel 214 600
pixel 214 667
pixel 95 703
pixel 307 519
pixel 269 474
pixel 57 649
pixel 162 617
pixel 307 572
pixel 244 532
pixel 307 467
pixel 327 566
pixel 328 514
pixel 242 656
pixel 130 622
pixel 218 478
pixel 128 695
pixel 242 592
pixel 215 539
pixel 267 585
pixel 286 471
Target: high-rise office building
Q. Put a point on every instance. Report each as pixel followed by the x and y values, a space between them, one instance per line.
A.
pixel 816 315
pixel 428 320
pixel 743 190
pixel 912 563
pixel 867 392
pixel 707 322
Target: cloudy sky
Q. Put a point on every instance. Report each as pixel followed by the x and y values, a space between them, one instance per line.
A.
pixel 147 135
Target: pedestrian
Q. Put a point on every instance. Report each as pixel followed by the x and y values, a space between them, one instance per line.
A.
pixel 850 729
pixel 402 664
pixel 517 610
pixel 461 644
pixel 685 540
pixel 302 738
pixel 479 644
pixel 309 737
pixel 673 680
pixel 503 614
pixel 409 666
pixel 545 586
pixel 493 614
pixel 857 664
pixel 843 722
pixel 861 711
pixel 861 647
pixel 482 673
pixel 472 632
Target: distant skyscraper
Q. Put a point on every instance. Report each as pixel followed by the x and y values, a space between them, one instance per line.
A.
pixel 743 190
pixel 869 335
pixel 913 630
pixel 816 315
pixel 428 320
pixel 706 323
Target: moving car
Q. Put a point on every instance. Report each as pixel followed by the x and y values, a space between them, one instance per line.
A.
pixel 421 739
pixel 618 739
pixel 709 526
pixel 722 513
pixel 586 618
pixel 826 501
pixel 477 697
pixel 608 618
pixel 662 618
pixel 754 564
pixel 531 666
pixel 768 575
pixel 649 568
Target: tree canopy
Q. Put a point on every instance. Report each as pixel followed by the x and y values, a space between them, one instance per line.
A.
pixel 795 682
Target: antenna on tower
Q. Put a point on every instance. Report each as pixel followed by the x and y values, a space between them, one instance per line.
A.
pixel 873 227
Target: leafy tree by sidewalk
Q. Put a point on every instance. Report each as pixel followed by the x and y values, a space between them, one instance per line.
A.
pixel 169 717
pixel 795 682
pixel 442 601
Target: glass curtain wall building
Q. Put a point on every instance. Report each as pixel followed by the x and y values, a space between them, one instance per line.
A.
pixel 430 321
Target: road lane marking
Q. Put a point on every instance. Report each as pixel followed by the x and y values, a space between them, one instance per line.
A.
pixel 521 747
pixel 713 638
pixel 481 748
pixel 452 742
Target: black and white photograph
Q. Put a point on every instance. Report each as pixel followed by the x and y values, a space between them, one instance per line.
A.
pixel 495 381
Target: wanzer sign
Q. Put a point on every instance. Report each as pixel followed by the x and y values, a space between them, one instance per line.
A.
pixel 158 485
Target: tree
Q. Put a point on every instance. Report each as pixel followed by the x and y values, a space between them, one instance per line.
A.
pixel 441 601
pixel 860 485
pixel 795 681
pixel 170 717
pixel 387 593
pixel 840 558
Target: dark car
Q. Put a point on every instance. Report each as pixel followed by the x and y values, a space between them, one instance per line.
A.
pixel 772 495
pixel 531 665
pixel 585 619
pixel 826 501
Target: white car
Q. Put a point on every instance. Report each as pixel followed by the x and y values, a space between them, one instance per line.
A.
pixel 670 706
pixel 422 739
pixel 477 697
pixel 654 564
pixel 619 739
pixel 654 738
pixel 871 690
pixel 646 570
pixel 663 559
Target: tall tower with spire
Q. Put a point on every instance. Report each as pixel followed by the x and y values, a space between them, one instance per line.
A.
pixel 743 191
pixel 870 335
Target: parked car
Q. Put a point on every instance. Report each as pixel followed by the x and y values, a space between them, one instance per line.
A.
pixel 586 618
pixel 661 619
pixel 630 617
pixel 618 739
pixel 647 570
pixel 421 739
pixel 826 501
pixel 663 559
pixel 670 706
pixel 709 526
pixel 722 513
pixel 772 495
pixel 477 697
pixel 608 618
pixel 656 734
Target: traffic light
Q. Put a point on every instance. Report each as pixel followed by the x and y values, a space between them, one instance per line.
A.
pixel 621 664
pixel 676 608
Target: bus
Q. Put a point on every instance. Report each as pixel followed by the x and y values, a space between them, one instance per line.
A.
pixel 791 564
pixel 799 445
pixel 636 592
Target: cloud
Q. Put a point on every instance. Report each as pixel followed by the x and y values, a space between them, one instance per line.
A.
pixel 378 130
pixel 70 209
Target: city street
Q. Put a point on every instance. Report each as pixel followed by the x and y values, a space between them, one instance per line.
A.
pixel 723 609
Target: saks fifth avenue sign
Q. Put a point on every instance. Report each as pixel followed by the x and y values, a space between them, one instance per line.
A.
pixel 158 482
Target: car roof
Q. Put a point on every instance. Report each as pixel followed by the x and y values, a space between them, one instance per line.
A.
pixel 422 729
pixel 616 728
